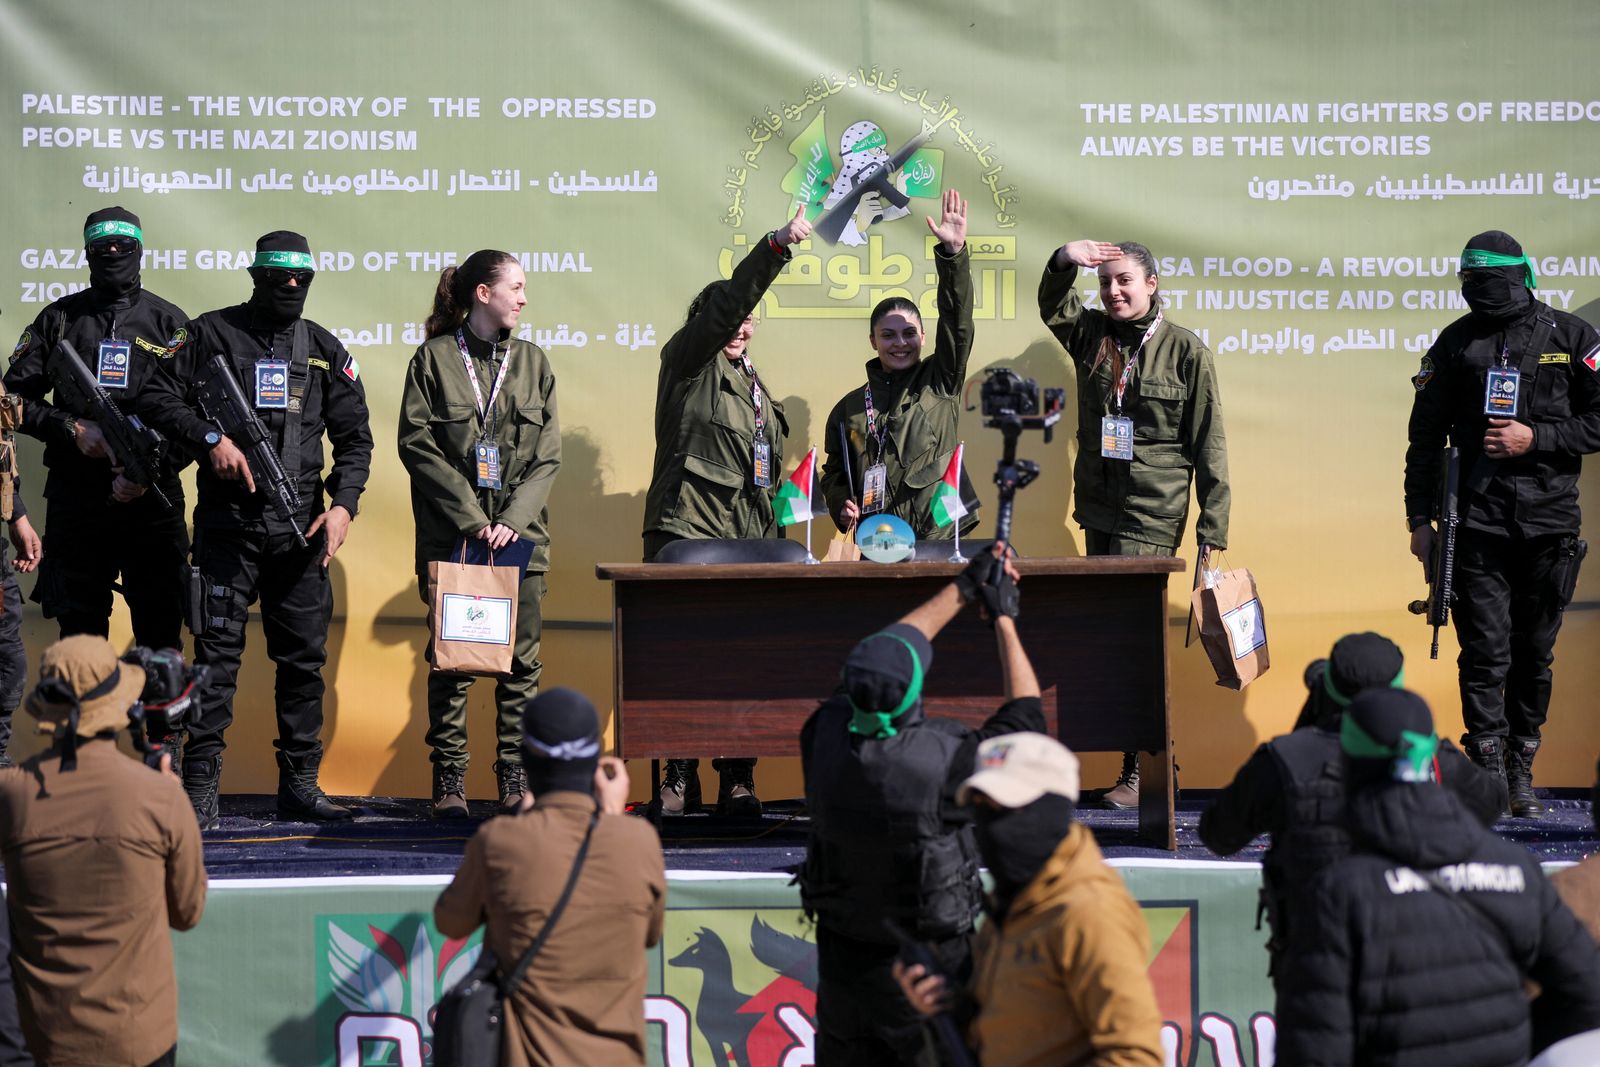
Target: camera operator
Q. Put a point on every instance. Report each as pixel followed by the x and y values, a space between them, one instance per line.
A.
pixel 581 999
pixel 886 840
pixel 102 855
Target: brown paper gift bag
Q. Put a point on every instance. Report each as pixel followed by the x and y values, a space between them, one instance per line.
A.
pixel 1233 628
pixel 473 618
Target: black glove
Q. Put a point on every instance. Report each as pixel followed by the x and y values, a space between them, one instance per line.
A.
pixel 979 573
pixel 1000 596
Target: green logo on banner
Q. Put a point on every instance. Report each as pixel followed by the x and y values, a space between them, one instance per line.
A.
pixel 924 171
pixel 808 180
pixel 379 978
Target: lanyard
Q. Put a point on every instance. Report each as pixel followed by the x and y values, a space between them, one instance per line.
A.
pixel 1133 360
pixel 872 423
pixel 755 392
pixel 485 411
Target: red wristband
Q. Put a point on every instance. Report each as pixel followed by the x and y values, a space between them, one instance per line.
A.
pixel 773 244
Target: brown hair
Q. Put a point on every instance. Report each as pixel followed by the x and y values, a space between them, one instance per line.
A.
pixel 890 305
pixel 453 298
pixel 1108 346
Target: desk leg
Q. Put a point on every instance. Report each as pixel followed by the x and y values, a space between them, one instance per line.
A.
pixel 1156 824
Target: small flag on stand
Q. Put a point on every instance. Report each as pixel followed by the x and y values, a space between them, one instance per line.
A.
pixel 794 496
pixel 947 505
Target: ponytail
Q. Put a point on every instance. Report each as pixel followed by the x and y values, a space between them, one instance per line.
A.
pixel 453 298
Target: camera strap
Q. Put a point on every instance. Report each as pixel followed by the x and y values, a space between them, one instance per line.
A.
pixel 1130 363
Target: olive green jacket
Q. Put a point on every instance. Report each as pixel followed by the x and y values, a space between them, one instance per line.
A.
pixel 1177 427
pixel 922 405
pixel 439 430
pixel 703 484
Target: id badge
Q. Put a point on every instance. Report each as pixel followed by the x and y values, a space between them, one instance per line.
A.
pixel 488 457
pixel 874 488
pixel 1500 392
pixel 113 369
pixel 761 463
pixel 1116 437
pixel 272 385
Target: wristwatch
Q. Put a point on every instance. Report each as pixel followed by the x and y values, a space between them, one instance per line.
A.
pixel 1414 521
pixel 212 438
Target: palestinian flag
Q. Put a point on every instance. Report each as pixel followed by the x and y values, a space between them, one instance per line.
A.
pixel 947 505
pixel 794 497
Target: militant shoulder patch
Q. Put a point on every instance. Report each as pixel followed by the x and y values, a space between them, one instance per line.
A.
pixel 22 345
pixel 322 364
pixel 177 340
pixel 352 369
pixel 1424 373
pixel 1554 357
pixel 154 349
pixel 1591 360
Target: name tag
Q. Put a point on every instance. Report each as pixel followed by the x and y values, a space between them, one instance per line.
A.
pixel 874 488
pixel 272 385
pixel 1500 392
pixel 761 463
pixel 113 369
pixel 1116 437
pixel 488 457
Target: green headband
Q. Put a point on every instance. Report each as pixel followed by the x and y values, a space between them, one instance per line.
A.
pixel 93 233
pixel 286 260
pixel 1473 258
pixel 872 140
pixel 1397 682
pixel 1413 757
pixel 880 724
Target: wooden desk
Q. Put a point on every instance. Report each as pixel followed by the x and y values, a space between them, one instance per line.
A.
pixel 730 659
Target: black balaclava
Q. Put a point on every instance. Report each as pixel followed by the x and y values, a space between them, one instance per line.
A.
pixel 279 305
pixel 883 677
pixel 1495 289
pixel 560 742
pixel 1387 736
pixel 113 275
pixel 1016 842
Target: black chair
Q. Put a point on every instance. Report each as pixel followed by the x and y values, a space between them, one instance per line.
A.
pixel 939 551
pixel 732 550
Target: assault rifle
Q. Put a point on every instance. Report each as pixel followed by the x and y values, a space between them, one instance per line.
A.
pixel 912 952
pixel 1442 564
pixel 135 447
pixel 224 404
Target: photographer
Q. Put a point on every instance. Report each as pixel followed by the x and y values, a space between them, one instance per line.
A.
pixel 886 840
pixel 581 999
pixel 102 855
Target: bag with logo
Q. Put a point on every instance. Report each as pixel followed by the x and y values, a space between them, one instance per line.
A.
pixel 1233 627
pixel 468 1026
pixel 473 616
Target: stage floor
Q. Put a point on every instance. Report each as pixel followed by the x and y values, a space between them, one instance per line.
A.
pixel 396 836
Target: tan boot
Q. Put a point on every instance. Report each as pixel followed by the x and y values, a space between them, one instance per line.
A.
pixel 449 792
pixel 1125 794
pixel 680 788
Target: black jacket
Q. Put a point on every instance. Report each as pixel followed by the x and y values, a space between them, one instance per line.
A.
pixel 1559 396
pixel 151 327
pixel 887 840
pixel 334 403
pixel 1385 967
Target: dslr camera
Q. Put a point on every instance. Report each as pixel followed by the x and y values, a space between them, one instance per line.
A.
pixel 169 702
pixel 1008 397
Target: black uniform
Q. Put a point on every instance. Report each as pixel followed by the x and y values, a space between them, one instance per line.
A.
pixel 243 550
pixel 89 539
pixel 1516 562
pixel 886 842
pixel 13 656
pixel 1392 968
pixel 1293 787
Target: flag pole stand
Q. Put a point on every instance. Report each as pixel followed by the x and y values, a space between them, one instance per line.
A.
pixel 810 559
pixel 956 556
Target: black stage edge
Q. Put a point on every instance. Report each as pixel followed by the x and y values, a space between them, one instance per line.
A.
pixel 397 837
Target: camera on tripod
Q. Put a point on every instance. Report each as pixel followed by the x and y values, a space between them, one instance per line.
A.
pixel 170 700
pixel 1009 398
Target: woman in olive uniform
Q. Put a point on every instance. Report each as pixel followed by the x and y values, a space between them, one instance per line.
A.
pixel 1149 418
pixel 719 456
pixel 479 437
pixel 901 426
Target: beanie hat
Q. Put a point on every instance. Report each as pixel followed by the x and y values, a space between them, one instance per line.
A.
pixel 1393 725
pixel 1496 248
pixel 1362 661
pixel 111 222
pixel 560 742
pixel 284 248
pixel 883 677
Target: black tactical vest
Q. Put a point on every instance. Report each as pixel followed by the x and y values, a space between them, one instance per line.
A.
pixel 1313 836
pixel 880 846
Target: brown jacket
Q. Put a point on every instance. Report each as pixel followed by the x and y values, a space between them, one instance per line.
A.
pixel 100 861
pixel 1074 949
pixel 582 999
pixel 1579 889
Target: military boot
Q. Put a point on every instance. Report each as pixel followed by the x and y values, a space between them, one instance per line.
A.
pixel 512 783
pixel 201 776
pixel 736 788
pixel 449 791
pixel 299 795
pixel 1488 751
pixel 680 788
pixel 1125 794
pixel 1519 777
